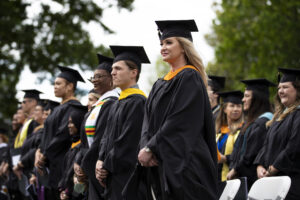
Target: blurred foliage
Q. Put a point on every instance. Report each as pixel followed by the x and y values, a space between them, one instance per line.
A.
pixel 161 69
pixel 41 34
pixel 252 38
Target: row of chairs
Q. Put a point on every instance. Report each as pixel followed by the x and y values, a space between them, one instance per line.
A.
pixel 264 188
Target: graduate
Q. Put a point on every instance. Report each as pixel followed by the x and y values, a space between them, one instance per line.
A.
pixel 119 145
pixel 178 144
pixel 257 109
pixel 280 154
pixel 66 184
pixel 26 162
pixel 93 97
pixel 94 126
pixel 228 125
pixel 29 103
pixel 56 139
pixel 215 85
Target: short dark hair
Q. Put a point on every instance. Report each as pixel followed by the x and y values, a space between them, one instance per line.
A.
pixel 132 66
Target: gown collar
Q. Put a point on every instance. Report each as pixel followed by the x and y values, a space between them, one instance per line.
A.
pixel 172 74
pixel 130 91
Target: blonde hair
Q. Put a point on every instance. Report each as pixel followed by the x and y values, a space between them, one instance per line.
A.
pixel 280 110
pixel 221 120
pixel 192 57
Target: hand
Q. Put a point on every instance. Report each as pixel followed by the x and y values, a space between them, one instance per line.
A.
pixel 79 173
pixel 33 180
pixel 231 174
pixel 272 171
pixel 63 195
pixel 39 160
pixel 101 173
pixel 17 172
pixel 261 171
pixel 222 158
pixel 147 159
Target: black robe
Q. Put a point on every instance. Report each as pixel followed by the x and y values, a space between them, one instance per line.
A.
pixel 29 148
pixel 243 156
pixel 178 128
pixel 88 163
pixel 119 145
pixel 282 150
pixel 66 182
pixel 56 140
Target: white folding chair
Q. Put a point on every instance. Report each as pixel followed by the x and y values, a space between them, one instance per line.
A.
pixel 275 187
pixel 230 190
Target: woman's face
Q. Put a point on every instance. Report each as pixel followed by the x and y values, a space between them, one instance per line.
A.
pixel 38 114
pixel 101 80
pixel 247 99
pixel 233 111
pixel 91 101
pixel 60 87
pixel 72 128
pixel 171 50
pixel 287 93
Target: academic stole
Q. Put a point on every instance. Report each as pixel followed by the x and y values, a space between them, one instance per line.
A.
pixel 90 125
pixel 22 134
pixel 228 150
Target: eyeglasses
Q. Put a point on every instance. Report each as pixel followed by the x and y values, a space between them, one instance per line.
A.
pixel 96 77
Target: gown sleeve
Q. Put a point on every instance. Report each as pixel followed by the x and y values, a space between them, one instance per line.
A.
pixel 123 153
pixel 288 159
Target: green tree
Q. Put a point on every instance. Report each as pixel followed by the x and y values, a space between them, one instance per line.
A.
pixel 161 69
pixel 252 38
pixel 45 37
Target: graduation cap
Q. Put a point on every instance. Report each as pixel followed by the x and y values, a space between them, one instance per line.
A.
pixel 51 105
pixel 261 84
pixel 136 54
pixel 216 82
pixel 43 102
pixel 105 63
pixel 33 94
pixel 176 28
pixel 289 75
pixel 70 75
pixel 232 96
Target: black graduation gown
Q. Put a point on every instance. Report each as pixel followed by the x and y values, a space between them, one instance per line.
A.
pixel 119 145
pixel 90 158
pixel 281 149
pixel 178 128
pixel 29 148
pixel 66 182
pixel 244 156
pixel 56 140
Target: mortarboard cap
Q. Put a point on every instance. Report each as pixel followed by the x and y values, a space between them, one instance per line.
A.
pixel 176 28
pixel 232 96
pixel 51 105
pixel 136 54
pixel 70 75
pixel 289 75
pixel 105 63
pixel 216 82
pixel 33 94
pixel 261 84
pixel 43 102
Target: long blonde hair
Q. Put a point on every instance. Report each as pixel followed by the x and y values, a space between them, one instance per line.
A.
pixel 221 120
pixel 280 110
pixel 192 57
